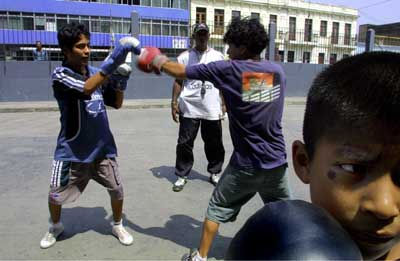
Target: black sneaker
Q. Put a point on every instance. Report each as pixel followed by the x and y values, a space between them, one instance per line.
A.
pixel 179 184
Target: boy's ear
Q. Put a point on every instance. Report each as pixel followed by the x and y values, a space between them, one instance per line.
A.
pixel 64 51
pixel 301 161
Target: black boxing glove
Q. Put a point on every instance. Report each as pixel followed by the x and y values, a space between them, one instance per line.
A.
pixel 292 229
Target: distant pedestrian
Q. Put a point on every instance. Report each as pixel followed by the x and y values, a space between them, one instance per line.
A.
pixel 39 54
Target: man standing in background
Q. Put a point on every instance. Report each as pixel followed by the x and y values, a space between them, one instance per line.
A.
pixel 194 104
pixel 39 54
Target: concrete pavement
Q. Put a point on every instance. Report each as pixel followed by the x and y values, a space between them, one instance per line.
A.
pixel 164 224
pixel 39 106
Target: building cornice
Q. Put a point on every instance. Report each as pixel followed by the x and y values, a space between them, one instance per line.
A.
pixel 290 5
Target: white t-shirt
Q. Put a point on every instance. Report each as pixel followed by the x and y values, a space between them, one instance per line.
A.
pixel 193 102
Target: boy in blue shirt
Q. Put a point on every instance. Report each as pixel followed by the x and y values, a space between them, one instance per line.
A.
pixel 85 146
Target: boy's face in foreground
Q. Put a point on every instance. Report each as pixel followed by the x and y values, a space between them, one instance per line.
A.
pixel 78 55
pixel 357 180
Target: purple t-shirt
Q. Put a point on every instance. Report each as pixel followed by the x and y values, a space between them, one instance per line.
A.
pixel 254 98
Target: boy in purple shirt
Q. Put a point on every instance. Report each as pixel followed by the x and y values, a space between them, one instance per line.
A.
pixel 254 97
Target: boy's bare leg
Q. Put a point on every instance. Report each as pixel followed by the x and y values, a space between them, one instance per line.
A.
pixel 116 206
pixel 118 229
pixel 55 213
pixel 210 229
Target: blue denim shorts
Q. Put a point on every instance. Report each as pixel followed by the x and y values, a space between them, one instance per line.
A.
pixel 236 187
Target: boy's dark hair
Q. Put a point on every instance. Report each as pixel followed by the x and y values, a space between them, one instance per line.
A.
pixel 248 32
pixel 356 96
pixel 69 34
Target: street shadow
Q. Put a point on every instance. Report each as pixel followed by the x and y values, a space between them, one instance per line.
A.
pixel 184 231
pixel 168 172
pixel 82 219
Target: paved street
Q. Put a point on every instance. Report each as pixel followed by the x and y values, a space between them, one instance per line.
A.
pixel 164 223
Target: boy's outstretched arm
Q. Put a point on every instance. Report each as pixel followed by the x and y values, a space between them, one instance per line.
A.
pixel 174 69
pixel 117 57
pixel 151 59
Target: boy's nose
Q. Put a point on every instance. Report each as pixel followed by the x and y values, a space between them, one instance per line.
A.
pixel 382 198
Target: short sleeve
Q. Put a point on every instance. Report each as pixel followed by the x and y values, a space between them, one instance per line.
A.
pixel 214 72
pixel 68 78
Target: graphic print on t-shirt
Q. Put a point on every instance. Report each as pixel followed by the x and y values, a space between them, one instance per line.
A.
pixel 95 105
pixel 260 87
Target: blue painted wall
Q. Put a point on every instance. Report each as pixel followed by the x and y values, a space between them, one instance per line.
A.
pixel 95 9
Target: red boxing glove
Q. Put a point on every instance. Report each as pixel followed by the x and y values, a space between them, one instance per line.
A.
pixel 151 59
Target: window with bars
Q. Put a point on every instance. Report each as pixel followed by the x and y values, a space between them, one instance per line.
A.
pixel 27 22
pixel 335 33
pixel 145 26
pixel 281 55
pixel 235 14
pixel 61 20
pixel 292 28
pixel 290 56
pixel 321 58
pixel 255 16
pixel 306 57
pixel 14 20
pixel 201 15
pixel 51 23
pixel 323 28
pixel 332 58
pixel 156 27
pixel 219 21
pixel 40 23
pixel 307 30
pixel 347 34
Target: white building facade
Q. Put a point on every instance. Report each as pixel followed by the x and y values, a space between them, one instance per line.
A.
pixel 306 32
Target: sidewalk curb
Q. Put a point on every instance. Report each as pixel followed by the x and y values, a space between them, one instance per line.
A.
pixel 47 108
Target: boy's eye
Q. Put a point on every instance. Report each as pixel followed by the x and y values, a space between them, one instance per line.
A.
pixel 347 167
pixel 354 168
pixel 82 46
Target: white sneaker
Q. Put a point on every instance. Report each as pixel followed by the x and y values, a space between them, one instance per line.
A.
pixel 179 184
pixel 193 256
pixel 214 178
pixel 50 238
pixel 123 236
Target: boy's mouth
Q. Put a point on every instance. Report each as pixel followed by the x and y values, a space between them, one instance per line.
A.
pixel 372 238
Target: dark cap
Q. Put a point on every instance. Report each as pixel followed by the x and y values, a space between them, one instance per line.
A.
pixel 200 27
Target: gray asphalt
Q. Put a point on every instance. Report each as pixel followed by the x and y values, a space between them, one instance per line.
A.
pixel 164 224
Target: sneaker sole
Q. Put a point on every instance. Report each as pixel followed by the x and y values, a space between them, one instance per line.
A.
pixel 177 189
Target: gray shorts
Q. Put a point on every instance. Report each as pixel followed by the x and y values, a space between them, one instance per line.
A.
pixel 69 179
pixel 236 187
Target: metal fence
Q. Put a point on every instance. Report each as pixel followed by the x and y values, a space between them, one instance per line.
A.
pixel 173 37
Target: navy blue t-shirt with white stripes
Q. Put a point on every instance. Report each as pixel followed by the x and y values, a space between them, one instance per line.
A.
pixel 254 96
pixel 85 134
